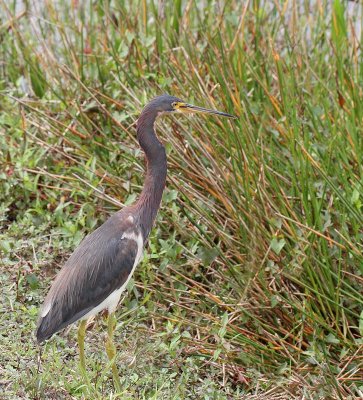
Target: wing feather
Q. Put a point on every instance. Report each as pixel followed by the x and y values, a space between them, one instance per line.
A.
pixel 100 265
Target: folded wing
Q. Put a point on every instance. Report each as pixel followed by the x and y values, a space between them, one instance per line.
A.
pixel 102 264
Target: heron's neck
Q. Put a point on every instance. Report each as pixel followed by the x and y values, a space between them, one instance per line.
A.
pixel 149 201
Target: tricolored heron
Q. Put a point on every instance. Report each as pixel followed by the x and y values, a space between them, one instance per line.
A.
pixel 99 269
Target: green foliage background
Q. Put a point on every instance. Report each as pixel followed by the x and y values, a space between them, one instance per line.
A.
pixel 252 282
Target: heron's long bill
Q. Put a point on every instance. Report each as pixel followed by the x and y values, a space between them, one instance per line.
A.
pixel 196 109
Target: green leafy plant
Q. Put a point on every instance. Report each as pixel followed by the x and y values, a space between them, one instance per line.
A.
pixel 254 269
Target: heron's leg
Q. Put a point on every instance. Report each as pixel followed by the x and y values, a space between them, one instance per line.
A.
pixel 81 336
pixel 82 359
pixel 111 350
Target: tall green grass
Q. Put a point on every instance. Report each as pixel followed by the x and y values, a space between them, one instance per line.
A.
pixel 256 258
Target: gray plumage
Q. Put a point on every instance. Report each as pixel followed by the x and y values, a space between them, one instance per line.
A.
pixel 99 266
pixel 96 273
pixel 103 261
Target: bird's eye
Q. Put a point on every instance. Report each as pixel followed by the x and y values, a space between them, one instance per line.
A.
pixel 174 104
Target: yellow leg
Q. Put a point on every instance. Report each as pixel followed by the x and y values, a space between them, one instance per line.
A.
pixel 111 350
pixel 82 359
pixel 81 336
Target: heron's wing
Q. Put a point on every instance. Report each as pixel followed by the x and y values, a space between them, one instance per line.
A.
pixel 101 264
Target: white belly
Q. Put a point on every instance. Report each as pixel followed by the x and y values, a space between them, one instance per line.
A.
pixel 112 300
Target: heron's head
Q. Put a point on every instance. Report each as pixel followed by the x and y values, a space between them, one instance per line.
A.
pixel 168 104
